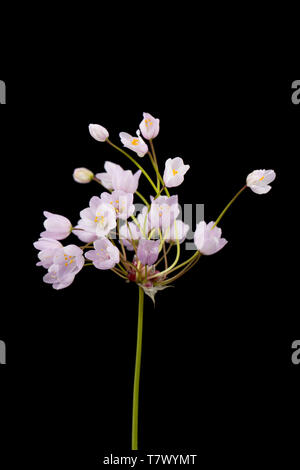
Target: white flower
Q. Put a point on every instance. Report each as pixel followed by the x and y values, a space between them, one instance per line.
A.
pixel 208 239
pixel 134 143
pixel 98 219
pixel 259 181
pixel 174 173
pixel 149 126
pixel 83 175
pixel 98 132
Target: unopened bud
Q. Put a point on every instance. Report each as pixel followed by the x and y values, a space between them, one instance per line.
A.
pixel 83 175
pixel 98 132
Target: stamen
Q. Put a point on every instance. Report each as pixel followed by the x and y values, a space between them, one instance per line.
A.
pixel 135 142
pixel 175 172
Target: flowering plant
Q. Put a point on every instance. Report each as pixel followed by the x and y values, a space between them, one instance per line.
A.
pixel 133 246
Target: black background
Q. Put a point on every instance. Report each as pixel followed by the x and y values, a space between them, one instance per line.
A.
pixel 217 376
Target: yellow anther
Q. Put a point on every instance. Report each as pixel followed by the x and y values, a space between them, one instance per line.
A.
pixel 262 178
pixel 135 142
pixel 175 172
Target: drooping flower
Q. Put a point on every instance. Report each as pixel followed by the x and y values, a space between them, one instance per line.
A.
pixel 83 175
pixel 67 262
pixel 175 170
pixel 57 226
pixel 149 126
pixel 123 180
pixel 164 210
pixel 148 251
pixel 176 232
pixel 259 181
pixel 121 201
pixel 48 248
pixel 97 219
pixel 98 132
pixel 134 143
pixel 208 238
pixel 105 255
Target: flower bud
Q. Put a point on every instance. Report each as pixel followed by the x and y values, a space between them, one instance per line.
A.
pixel 98 132
pixel 83 175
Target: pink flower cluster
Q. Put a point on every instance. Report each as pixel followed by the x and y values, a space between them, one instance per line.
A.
pixel 112 215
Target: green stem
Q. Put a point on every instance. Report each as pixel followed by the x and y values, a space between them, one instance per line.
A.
pixel 176 259
pixel 192 258
pixel 135 409
pixel 158 173
pixel 181 273
pixel 228 205
pixel 135 162
pixel 142 198
pixel 154 163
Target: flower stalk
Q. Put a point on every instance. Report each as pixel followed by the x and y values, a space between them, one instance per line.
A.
pixel 137 373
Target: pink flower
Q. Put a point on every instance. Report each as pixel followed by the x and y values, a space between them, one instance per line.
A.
pixel 149 126
pixel 84 236
pixel 105 180
pixel 208 239
pixel 164 210
pixel 105 255
pixel 134 143
pixel 122 203
pixel 119 179
pixel 129 233
pixel 171 234
pixel 135 232
pixel 98 132
pixel 48 248
pixel 67 262
pixel 174 173
pixel 147 251
pixel 98 219
pixel 57 226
